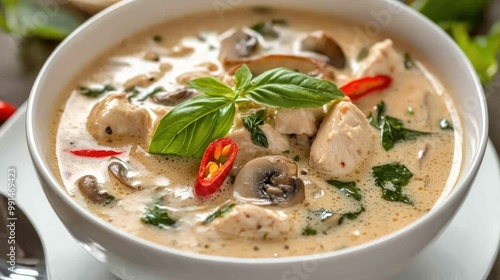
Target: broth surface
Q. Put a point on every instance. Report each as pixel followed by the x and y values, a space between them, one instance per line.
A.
pixel 177 51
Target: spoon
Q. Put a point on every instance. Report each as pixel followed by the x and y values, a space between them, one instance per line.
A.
pixel 21 251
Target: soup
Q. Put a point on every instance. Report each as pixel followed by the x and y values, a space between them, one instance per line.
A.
pixel 267 158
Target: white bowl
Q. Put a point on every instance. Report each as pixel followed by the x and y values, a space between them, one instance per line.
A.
pixel 130 257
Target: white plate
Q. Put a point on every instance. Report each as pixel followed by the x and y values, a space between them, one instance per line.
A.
pixel 465 250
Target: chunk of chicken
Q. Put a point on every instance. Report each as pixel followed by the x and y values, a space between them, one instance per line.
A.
pixel 252 222
pixel 343 141
pixel 382 60
pixel 278 142
pixel 115 118
pixel 299 121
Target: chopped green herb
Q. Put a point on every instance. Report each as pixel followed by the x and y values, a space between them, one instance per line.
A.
pixel 286 152
pixel 392 129
pixel 351 215
pixel 95 92
pixel 410 111
pixel 258 136
pixel 212 47
pixel 391 178
pixel 133 93
pixel 362 54
pixel 308 231
pixel 408 61
pixel 155 91
pixel 296 158
pixel 266 28
pixel 110 200
pixel 157 38
pixel 444 124
pixel 347 188
pixel 157 215
pixel 219 213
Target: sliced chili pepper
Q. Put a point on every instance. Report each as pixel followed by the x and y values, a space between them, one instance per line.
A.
pixel 95 153
pixel 6 110
pixel 215 165
pixel 359 88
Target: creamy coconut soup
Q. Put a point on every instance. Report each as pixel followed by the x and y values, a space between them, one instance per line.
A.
pixel 234 137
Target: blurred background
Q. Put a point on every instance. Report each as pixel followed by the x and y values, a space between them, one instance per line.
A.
pixel 31 29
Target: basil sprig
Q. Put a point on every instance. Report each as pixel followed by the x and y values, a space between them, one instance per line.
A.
pixel 192 125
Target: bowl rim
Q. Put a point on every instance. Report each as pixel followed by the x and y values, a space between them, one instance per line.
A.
pixel 58 188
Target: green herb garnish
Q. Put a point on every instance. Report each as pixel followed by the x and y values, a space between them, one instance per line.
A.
pixel 219 213
pixel 410 111
pixel 157 215
pixel 362 54
pixel 258 136
pixel 408 61
pixel 192 125
pixel 391 178
pixel 444 124
pixel 347 188
pixel 309 231
pixel 266 28
pixel 157 38
pixel 392 129
pixel 155 91
pixel 351 215
pixel 296 158
pixel 95 92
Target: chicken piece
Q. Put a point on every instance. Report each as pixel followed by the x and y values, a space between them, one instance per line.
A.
pixel 278 142
pixel 252 222
pixel 115 118
pixel 343 141
pixel 382 60
pixel 299 121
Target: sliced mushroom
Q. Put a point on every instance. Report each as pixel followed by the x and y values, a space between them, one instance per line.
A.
pixel 322 43
pixel 236 45
pixel 121 171
pixel 175 97
pixel 92 190
pixel 270 180
pixel 304 65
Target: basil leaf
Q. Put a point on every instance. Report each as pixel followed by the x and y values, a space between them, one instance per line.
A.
pixel 219 213
pixel 391 178
pixel 362 54
pixel 211 86
pixel 190 127
pixel 309 231
pixel 283 88
pixel 393 132
pixel 266 28
pixel 351 215
pixel 18 19
pixel 155 91
pixel 258 136
pixel 156 215
pixel 242 78
pixel 347 188
pixel 95 92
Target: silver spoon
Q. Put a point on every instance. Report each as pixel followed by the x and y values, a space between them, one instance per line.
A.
pixel 28 262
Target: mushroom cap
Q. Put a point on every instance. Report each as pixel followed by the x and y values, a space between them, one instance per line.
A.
pixel 270 180
pixel 322 43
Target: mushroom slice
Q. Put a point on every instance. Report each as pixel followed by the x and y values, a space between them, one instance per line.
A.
pixel 92 190
pixel 175 97
pixel 121 171
pixel 322 43
pixel 304 65
pixel 270 180
pixel 236 45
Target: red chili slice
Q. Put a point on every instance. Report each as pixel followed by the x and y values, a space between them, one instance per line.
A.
pixel 359 88
pixel 91 153
pixel 6 110
pixel 215 165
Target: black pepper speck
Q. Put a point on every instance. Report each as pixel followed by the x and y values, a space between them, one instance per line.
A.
pixel 108 130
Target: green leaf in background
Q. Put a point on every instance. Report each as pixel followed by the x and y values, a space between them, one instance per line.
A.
pixel 391 178
pixel 192 125
pixel 451 10
pixel 481 50
pixel 283 88
pixel 30 18
pixel 347 188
